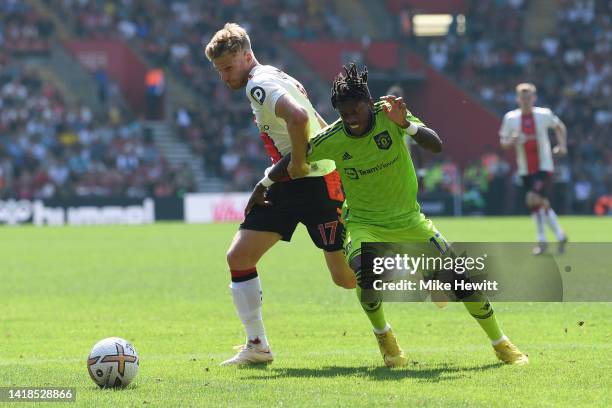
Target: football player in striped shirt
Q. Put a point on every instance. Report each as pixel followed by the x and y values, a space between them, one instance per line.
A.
pixel 526 129
pixel 286 120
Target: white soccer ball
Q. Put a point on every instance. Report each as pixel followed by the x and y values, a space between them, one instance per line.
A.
pixel 113 362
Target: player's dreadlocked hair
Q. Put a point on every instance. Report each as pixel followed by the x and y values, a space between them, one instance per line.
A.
pixel 352 85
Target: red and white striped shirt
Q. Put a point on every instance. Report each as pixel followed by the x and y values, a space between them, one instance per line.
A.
pixel 533 150
pixel 265 87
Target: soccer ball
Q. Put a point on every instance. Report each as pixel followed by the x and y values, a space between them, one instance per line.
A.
pixel 113 362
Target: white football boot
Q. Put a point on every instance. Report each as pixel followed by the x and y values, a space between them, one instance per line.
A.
pixel 250 354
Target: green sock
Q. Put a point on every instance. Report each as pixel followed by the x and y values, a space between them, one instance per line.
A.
pixel 374 311
pixel 481 309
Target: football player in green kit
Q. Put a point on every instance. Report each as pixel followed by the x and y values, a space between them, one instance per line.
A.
pixel 380 184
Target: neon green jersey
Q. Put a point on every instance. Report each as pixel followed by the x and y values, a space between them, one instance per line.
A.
pixel 376 169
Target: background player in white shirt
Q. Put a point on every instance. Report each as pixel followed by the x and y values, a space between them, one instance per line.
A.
pixel 286 120
pixel 526 129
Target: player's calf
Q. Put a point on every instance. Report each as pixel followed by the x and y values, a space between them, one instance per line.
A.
pixel 244 252
pixel 341 273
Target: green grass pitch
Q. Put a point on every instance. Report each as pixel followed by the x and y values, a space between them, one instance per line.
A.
pixel 165 288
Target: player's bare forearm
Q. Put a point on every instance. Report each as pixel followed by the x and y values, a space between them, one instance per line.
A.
pixel 561 133
pixel 279 171
pixel 298 132
pixel 297 121
pixel 428 139
pixel 296 117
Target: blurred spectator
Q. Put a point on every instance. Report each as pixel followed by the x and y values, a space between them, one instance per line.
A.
pixel 171 34
pixel 572 69
pixel 155 82
pixel 48 150
pixel 22 30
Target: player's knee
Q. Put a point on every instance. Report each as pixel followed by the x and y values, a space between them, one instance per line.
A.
pixel 534 201
pixel 238 259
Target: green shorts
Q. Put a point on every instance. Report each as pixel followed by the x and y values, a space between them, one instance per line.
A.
pixel 421 230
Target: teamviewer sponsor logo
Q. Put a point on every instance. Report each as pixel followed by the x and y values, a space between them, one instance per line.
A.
pixel 351 172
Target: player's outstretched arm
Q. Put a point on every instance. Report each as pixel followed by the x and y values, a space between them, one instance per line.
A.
pixel 428 139
pixel 395 109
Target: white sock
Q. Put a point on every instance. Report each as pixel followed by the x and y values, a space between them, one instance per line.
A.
pixel 538 219
pixel 553 223
pixel 247 298
pixel 383 330
pixel 496 342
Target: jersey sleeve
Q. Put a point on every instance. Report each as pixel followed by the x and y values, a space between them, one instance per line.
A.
pixel 504 130
pixel 317 152
pixel 265 92
pixel 413 119
pixel 552 120
pixel 320 147
pixel 313 154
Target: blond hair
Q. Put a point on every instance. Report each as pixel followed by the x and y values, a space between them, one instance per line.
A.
pixel 231 38
pixel 525 87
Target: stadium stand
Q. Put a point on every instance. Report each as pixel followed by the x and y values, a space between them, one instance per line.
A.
pixel 571 68
pixel 22 29
pixel 50 150
pixel 569 65
pixel 171 34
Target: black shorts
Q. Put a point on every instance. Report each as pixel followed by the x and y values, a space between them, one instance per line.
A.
pixel 539 183
pixel 316 202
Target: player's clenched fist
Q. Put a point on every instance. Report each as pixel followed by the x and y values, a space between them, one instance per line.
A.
pixel 258 197
pixel 560 150
pixel 298 170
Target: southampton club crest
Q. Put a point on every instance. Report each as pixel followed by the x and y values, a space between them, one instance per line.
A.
pixel 383 140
